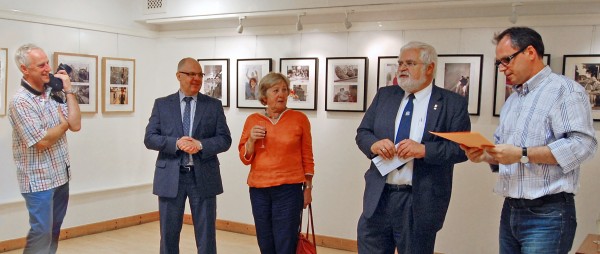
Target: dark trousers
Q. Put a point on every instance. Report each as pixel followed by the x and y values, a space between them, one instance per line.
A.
pixel 204 216
pixel 391 227
pixel 276 213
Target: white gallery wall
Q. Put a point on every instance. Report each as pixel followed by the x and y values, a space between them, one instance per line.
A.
pixel 112 170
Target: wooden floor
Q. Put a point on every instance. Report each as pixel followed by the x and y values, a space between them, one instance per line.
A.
pixel 145 239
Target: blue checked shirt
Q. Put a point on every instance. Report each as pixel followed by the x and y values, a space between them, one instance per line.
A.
pixel 548 110
pixel 31 116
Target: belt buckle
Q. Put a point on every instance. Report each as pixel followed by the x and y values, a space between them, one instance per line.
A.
pixel 186 169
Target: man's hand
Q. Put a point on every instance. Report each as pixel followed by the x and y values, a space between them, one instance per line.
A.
pixel 505 153
pixel 188 145
pixel 384 148
pixel 409 148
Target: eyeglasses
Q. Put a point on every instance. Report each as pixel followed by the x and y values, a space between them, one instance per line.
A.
pixel 409 63
pixel 193 74
pixel 506 60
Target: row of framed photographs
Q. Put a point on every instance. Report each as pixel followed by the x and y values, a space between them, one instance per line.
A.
pixel 346 80
pixel 118 81
pixel 346 86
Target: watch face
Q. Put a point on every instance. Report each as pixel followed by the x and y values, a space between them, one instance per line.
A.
pixel 524 159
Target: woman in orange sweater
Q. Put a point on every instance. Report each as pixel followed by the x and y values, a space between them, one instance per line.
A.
pixel 282 166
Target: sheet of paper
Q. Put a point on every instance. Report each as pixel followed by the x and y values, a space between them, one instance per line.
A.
pixel 386 166
pixel 470 139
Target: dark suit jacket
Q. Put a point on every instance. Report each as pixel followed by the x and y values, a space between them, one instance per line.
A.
pixel 165 127
pixel 432 175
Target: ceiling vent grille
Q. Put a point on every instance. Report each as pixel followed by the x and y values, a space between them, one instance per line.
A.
pixel 155 6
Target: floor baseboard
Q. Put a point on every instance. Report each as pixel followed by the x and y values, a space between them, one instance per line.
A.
pixel 88 229
pixel 248 229
pixel 225 225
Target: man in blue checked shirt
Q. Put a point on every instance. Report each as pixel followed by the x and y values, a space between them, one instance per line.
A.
pixel 545 133
pixel 40 122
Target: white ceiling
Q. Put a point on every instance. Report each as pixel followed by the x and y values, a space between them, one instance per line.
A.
pixel 201 15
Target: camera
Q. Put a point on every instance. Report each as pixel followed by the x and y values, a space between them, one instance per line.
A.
pixel 55 83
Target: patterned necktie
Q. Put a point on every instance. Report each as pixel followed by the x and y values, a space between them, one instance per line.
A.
pixel 404 126
pixel 186 125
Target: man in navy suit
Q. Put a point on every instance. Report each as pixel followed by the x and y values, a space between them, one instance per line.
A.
pixel 405 208
pixel 188 129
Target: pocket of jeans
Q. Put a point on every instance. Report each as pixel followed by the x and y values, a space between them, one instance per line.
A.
pixel 546 211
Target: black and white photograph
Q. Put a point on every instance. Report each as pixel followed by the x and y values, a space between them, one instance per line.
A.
pixel 216 79
pixel 249 73
pixel 84 77
pixel 585 70
pixel 346 84
pixel 118 84
pixel 462 75
pixel 302 73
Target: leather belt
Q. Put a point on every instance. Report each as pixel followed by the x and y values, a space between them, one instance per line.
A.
pixel 548 199
pixel 397 187
pixel 186 169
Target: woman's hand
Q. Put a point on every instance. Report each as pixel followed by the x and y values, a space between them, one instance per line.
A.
pixel 307 196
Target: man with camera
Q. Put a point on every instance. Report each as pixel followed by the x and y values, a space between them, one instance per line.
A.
pixel 41 113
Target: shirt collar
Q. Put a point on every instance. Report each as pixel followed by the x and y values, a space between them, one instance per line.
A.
pixel 421 94
pixel 181 96
pixel 533 82
pixel 32 90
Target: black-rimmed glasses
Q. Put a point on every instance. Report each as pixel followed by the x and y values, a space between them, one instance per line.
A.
pixel 193 74
pixel 506 60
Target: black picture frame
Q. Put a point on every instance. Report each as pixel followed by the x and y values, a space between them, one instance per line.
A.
pixel 249 70
pixel 303 74
pixel 346 86
pixel 216 79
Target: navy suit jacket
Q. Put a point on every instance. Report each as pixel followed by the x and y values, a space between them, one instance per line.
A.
pixel 165 127
pixel 432 175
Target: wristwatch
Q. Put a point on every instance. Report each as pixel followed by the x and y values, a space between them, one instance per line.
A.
pixel 524 158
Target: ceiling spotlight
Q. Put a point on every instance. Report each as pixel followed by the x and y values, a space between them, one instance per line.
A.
pixel 299 26
pixel 240 27
pixel 513 17
pixel 347 22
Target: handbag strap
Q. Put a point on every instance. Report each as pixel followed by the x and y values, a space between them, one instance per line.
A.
pixel 311 225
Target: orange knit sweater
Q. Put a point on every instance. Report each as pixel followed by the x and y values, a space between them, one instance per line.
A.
pixel 287 156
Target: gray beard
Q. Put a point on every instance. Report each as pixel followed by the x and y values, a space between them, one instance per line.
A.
pixel 410 85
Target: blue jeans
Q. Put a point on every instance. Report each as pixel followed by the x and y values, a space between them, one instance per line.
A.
pixel 276 213
pixel 549 228
pixel 47 210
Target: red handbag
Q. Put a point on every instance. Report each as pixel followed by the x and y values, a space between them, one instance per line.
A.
pixel 304 244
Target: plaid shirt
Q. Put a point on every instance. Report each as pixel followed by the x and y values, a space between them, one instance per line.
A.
pixel 31 116
pixel 548 110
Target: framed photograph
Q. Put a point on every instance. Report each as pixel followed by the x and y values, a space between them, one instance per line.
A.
pixel 462 75
pixel 303 75
pixel 503 89
pixel 249 73
pixel 118 84
pixel 216 79
pixel 3 73
pixel 346 87
pixel 387 66
pixel 585 69
pixel 84 78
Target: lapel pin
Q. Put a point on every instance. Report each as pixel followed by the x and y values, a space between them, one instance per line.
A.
pixel 435 107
